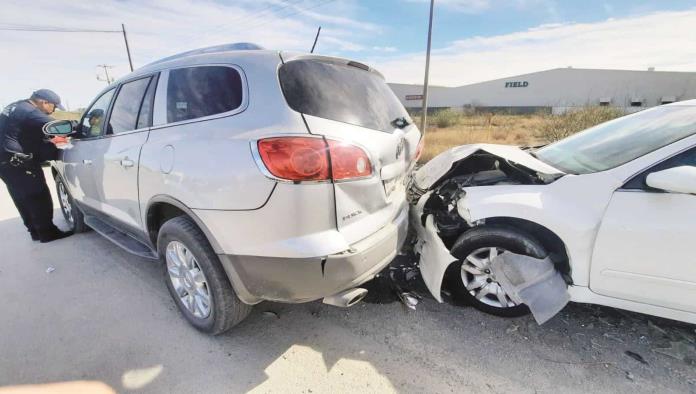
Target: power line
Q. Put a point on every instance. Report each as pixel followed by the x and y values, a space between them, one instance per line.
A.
pixel 57 29
pixel 269 13
pixel 264 11
pixel 299 10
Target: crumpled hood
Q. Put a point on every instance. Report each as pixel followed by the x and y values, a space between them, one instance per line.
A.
pixel 439 166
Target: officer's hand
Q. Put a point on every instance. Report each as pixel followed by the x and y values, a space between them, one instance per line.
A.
pixel 61 142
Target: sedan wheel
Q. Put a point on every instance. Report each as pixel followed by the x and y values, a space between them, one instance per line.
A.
pixel 480 281
pixel 470 280
pixel 188 279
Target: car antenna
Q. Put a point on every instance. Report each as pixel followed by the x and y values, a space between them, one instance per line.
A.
pixel 315 40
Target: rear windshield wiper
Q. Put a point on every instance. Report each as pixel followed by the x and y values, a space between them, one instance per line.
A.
pixel 400 122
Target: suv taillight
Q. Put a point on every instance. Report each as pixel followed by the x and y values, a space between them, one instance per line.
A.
pixel 313 159
pixel 348 161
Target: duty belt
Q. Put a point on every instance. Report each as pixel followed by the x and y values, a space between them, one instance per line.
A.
pixel 17 159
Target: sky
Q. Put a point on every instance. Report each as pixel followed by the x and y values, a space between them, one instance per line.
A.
pixel 473 40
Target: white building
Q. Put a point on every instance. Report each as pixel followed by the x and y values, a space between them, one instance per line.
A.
pixel 558 90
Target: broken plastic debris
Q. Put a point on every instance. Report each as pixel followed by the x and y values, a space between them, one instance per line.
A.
pixel 636 357
pixel 533 282
pixel 678 350
pixel 49 270
pixel 410 300
pixel 271 314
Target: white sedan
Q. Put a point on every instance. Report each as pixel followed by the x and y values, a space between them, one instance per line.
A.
pixel 612 208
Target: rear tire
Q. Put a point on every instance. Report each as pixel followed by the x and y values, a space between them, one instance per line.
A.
pixel 71 213
pixel 477 245
pixel 198 285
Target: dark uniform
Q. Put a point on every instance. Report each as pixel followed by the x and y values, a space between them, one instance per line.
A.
pixel 22 150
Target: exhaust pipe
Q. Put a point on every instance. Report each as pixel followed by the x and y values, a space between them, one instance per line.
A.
pixel 346 298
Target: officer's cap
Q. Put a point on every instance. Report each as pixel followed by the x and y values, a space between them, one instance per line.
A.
pixel 48 95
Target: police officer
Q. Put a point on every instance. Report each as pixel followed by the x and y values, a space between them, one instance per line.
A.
pixel 22 150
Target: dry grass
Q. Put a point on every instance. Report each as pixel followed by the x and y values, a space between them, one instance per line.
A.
pixel 483 128
pixel 66 115
pixel 522 130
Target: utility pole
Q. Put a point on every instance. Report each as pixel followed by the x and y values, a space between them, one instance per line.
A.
pixel 424 114
pixel 125 38
pixel 106 68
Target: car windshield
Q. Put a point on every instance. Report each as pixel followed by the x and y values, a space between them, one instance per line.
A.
pixel 343 92
pixel 619 141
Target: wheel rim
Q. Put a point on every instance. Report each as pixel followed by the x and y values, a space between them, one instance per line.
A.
pixel 480 282
pixel 65 203
pixel 188 279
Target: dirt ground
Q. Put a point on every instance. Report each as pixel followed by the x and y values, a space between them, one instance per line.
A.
pixel 104 315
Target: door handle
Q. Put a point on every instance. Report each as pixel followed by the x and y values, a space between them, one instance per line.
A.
pixel 87 161
pixel 127 163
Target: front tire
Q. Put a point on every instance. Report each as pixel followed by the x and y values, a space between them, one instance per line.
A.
pixel 71 213
pixel 196 280
pixel 470 280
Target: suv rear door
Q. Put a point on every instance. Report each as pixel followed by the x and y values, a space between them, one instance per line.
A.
pixel 348 101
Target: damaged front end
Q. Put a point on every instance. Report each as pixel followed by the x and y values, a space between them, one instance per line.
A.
pixel 440 214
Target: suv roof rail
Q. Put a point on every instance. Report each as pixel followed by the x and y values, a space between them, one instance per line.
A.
pixel 237 46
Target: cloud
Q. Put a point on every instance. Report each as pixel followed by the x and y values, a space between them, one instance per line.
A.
pixel 385 49
pixel 66 62
pixel 663 40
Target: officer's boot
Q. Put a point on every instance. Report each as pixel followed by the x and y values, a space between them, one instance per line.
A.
pixel 52 234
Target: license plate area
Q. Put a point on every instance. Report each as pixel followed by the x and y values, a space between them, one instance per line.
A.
pixel 392 185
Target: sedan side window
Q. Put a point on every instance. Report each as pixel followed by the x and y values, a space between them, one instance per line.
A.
pixel 93 120
pixel 687 158
pixel 124 116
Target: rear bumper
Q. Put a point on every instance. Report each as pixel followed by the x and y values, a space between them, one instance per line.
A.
pixel 258 278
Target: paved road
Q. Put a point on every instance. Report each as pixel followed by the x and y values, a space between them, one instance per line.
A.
pixel 104 315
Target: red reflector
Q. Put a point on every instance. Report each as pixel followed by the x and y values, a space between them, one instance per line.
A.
pixel 295 158
pixel 348 161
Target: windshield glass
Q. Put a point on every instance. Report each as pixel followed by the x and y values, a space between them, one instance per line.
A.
pixel 340 92
pixel 619 141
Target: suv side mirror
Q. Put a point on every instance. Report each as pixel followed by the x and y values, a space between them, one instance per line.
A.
pixel 59 128
pixel 676 179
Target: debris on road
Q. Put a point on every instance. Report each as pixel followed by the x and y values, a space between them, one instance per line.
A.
pixel 636 357
pixel 49 270
pixel 271 314
pixel 678 350
pixel 410 300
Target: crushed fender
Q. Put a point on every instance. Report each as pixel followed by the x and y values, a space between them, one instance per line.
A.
pixel 532 281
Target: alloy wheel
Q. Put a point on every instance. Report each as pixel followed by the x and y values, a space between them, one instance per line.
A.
pixel 480 282
pixel 188 279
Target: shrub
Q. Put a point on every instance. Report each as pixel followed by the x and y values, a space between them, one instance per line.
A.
pixel 445 118
pixel 557 127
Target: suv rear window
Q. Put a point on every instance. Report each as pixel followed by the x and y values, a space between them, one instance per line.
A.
pixel 195 92
pixel 340 92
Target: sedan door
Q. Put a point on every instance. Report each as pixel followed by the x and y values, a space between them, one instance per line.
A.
pixel 643 251
pixel 127 131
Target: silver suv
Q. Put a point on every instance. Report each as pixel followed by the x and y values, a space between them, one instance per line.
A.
pixel 250 174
